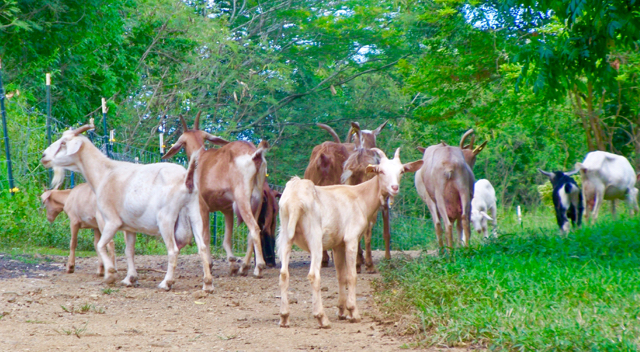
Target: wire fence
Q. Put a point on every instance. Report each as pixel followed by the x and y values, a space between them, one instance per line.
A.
pixel 27 135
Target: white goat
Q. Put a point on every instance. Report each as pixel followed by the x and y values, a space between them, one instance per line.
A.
pixel 484 200
pixel 607 176
pixel 333 217
pixel 156 199
pixel 81 207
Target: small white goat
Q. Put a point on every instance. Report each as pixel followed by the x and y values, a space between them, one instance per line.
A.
pixel 156 199
pixel 81 207
pixel 484 200
pixel 333 217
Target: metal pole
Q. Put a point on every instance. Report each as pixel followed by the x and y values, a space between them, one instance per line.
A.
pixel 73 179
pixel 215 228
pixel 48 89
pixel 6 135
pixel 104 127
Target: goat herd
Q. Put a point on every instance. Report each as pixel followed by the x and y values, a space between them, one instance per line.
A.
pixel 344 187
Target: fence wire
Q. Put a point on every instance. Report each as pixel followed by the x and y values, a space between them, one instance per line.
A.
pixel 28 139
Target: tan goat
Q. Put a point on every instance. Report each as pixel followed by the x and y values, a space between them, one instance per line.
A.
pixel 230 180
pixel 445 182
pixel 80 206
pixel 333 217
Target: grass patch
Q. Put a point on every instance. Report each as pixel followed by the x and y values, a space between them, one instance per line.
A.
pixel 528 290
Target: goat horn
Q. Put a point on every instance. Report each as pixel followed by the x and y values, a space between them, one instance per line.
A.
pixel 464 136
pixel 184 124
pixel 380 153
pixel 397 154
pixel 196 123
pixel 81 129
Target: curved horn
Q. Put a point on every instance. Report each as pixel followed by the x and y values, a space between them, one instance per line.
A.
pixel 196 123
pixel 550 175
pixel 330 130
pixel 380 153
pixel 81 129
pixel 184 124
pixel 397 154
pixel 355 129
pixel 464 136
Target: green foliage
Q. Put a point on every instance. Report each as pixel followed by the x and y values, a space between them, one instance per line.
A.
pixel 529 291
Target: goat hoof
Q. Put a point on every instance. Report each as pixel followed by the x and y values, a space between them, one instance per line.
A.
pixel 284 320
pixel 130 281
pixel 257 273
pixel 207 288
pixel 371 269
pixel 358 269
pixel 325 264
pixel 244 270
pixel 109 279
pixel 233 268
pixel 354 319
pixel 166 285
pixel 342 317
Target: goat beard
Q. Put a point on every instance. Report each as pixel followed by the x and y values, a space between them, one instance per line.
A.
pixel 58 177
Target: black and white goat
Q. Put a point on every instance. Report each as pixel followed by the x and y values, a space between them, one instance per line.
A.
pixel 567 198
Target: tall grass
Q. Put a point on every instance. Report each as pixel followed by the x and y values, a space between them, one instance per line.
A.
pixel 528 290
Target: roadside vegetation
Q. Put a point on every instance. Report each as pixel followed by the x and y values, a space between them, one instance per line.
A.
pixel 529 290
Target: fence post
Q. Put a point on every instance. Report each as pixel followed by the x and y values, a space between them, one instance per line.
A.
pixel 215 228
pixel 6 135
pixel 48 90
pixel 104 127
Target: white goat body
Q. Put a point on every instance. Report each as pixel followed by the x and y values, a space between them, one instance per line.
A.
pixel 156 199
pixel 607 176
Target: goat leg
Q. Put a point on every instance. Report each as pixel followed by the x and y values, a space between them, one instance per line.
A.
pixel 132 275
pixel 71 262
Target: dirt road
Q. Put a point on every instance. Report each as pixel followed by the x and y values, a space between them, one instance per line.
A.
pixel 47 310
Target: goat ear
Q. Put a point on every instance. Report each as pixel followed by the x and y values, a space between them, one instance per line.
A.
pixel 413 166
pixel 377 130
pixel 73 146
pixel 486 216
pixel 550 175
pixel 479 148
pixel 373 169
pixel 214 139
pixel 421 149
pixel 45 197
pixel 175 149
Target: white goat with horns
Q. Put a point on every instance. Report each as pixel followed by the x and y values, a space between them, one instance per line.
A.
pixel 156 199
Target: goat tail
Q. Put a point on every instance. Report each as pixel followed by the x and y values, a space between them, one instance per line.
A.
pixel 448 173
pixel 190 181
pixel 58 177
pixel 288 222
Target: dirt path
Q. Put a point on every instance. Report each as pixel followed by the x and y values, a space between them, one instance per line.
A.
pixel 44 312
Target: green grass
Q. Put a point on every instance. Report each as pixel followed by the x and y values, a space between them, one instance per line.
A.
pixel 527 290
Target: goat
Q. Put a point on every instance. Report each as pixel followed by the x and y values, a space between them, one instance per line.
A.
pixel 333 217
pixel 607 176
pixel 156 199
pixel 445 182
pixel 366 139
pixel 231 180
pixel 484 200
pixel 567 198
pixel 267 223
pixel 355 172
pixel 80 206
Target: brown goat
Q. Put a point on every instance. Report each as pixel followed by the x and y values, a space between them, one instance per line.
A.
pixel 231 179
pixel 81 207
pixel 267 223
pixel 355 173
pixel 326 168
pixel 445 182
